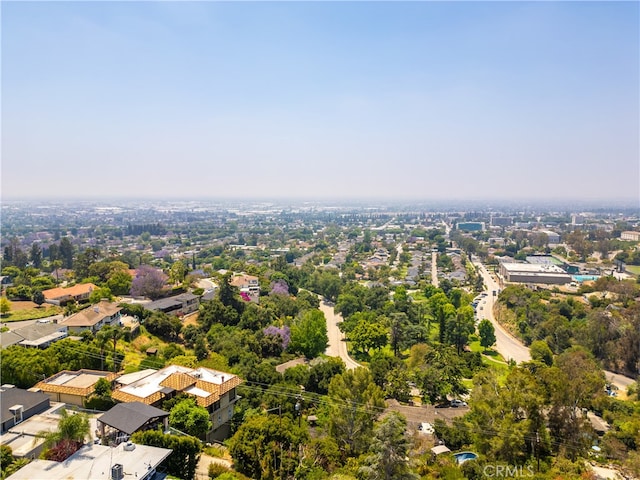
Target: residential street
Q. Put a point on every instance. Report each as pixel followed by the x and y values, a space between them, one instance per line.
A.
pixel 337 346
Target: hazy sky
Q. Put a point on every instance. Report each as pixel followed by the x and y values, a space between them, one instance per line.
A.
pixel 431 100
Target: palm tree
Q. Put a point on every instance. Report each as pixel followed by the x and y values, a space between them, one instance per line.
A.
pixel 113 333
pixel 70 435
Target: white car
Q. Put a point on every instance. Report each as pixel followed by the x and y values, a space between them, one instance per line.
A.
pixel 458 403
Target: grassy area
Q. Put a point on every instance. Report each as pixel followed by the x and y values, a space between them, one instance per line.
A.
pixel 135 351
pixel 635 269
pixel 492 359
pixel 32 313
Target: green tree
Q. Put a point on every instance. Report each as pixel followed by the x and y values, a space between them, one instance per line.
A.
pixel 183 460
pixel 70 435
pixel 309 334
pixel 440 373
pixel 119 282
pixel 5 306
pixel 541 352
pixel 367 335
pixel 189 418
pixel 111 333
pixel 100 294
pixel 267 447
pixel 389 451
pixel 487 333
pixel 355 402
pixel 178 272
pixel 36 255
pixel 506 418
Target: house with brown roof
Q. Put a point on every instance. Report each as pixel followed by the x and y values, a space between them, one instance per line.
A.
pixel 213 390
pixel 246 284
pixel 61 295
pixel 73 387
pixel 93 318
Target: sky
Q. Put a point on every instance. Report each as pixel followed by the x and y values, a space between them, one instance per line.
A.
pixel 388 100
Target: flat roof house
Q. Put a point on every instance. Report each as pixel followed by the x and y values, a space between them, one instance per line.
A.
pixel 179 305
pixel 213 390
pixel 73 387
pixel 93 318
pixel 99 462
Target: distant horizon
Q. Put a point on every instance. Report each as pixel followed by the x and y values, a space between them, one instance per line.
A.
pixel 473 101
pixel 627 203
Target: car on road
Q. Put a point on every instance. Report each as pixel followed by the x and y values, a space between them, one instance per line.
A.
pixel 458 403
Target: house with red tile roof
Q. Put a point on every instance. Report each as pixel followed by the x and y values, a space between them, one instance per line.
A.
pixel 62 295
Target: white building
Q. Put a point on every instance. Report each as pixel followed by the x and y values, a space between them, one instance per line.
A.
pixel 630 236
pixel 533 273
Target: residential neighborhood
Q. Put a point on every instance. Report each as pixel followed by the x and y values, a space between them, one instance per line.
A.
pixel 212 342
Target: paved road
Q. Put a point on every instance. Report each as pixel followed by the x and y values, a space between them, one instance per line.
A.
pixel 434 269
pixel 510 347
pixel 507 345
pixel 337 346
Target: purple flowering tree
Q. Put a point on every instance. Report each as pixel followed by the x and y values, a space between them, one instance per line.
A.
pixel 279 287
pixel 149 282
pixel 245 296
pixel 284 333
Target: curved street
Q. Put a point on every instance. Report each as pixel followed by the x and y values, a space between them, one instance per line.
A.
pixel 506 344
pixel 337 346
pixel 510 347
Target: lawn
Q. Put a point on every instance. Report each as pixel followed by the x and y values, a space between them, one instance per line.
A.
pixel 32 313
pixel 635 269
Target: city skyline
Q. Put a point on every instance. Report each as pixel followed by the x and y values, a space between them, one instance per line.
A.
pixel 417 100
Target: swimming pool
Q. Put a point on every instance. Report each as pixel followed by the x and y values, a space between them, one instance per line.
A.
pixel 462 457
pixel 584 278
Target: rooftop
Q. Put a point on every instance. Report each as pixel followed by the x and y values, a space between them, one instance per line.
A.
pixel 94 462
pixel 62 292
pixel 92 315
pixel 205 384
pixel 80 382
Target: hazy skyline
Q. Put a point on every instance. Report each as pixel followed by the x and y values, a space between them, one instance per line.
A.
pixel 432 100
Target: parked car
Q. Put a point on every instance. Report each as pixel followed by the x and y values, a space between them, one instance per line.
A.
pixel 458 403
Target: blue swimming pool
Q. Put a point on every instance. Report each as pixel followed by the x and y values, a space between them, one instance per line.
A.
pixel 462 457
pixel 584 278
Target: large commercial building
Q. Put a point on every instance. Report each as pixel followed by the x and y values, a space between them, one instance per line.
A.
pixel 630 235
pixel 534 273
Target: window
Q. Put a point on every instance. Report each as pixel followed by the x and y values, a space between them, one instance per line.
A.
pixel 232 394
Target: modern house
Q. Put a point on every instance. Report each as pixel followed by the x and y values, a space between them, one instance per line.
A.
pixel 73 387
pixel 213 390
pixel 127 460
pixel 17 405
pixel 178 305
pixel 77 293
pixel 93 318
